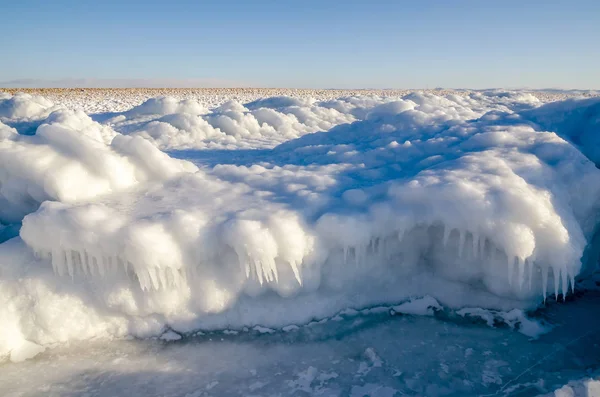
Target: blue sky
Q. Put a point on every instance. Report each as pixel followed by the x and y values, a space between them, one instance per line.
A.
pixel 320 44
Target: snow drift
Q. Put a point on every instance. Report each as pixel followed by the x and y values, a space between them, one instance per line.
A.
pixel 24 107
pixel 72 158
pixel 466 199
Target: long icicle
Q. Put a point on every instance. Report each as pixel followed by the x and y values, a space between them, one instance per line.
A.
pixel 565 283
pixel 461 242
pixel 475 244
pixel 544 281
pixel 530 262
pixel 510 263
pixel 521 263
pixel 447 231
pixel 556 274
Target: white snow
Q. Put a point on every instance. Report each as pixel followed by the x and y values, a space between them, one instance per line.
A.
pixel 425 306
pixel 24 106
pixel 72 158
pixel 515 318
pixel 25 350
pixel 296 209
pixel 583 387
pixel 170 336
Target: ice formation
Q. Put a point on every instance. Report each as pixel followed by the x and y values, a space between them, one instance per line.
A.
pixel 314 207
pixel 72 158
pixel 24 107
pixel 172 124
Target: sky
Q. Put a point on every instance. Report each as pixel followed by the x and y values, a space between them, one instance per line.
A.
pixel 302 44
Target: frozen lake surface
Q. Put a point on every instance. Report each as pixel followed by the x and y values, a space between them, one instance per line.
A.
pixel 360 355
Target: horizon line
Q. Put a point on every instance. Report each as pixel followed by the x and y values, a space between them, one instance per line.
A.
pixel 3 87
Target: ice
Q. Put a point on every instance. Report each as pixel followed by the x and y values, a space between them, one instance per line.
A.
pixel 515 319
pixel 418 202
pixel 425 306
pixel 170 336
pixel 166 105
pixel 415 355
pixel 72 158
pixel 575 120
pixel 172 124
pixel 24 351
pixel 24 107
pixel 584 387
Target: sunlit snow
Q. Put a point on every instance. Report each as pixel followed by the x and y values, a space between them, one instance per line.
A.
pixel 173 217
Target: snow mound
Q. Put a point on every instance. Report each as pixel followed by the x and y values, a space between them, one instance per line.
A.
pixel 171 124
pixel 72 158
pixel 24 107
pixel 466 201
pixel 260 124
pixel 166 105
pixel 576 120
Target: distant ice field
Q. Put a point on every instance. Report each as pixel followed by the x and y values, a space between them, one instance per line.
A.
pixel 172 215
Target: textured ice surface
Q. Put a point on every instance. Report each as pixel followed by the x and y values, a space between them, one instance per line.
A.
pixel 372 354
pixel 297 209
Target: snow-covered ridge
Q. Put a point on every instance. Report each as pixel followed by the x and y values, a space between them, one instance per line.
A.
pixel 300 207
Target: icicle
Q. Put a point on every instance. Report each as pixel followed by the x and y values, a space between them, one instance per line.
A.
pixel 296 271
pixel 565 283
pixel 544 282
pixel 556 274
pixel 401 234
pixel 54 267
pixel 245 264
pixel 270 270
pixel 69 262
pixel 345 254
pixel 102 266
pixel 482 247
pixel 74 263
pixel 142 276
pixel 530 271
pixel 461 242
pixel 266 270
pixel 58 261
pixel 163 278
pixel 258 271
pixel 447 232
pixel 475 244
pixel 153 277
pixel 510 264
pixel 521 264
pixel 95 265
pixel 572 283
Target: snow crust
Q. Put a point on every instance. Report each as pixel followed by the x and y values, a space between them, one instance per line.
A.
pixel 296 210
